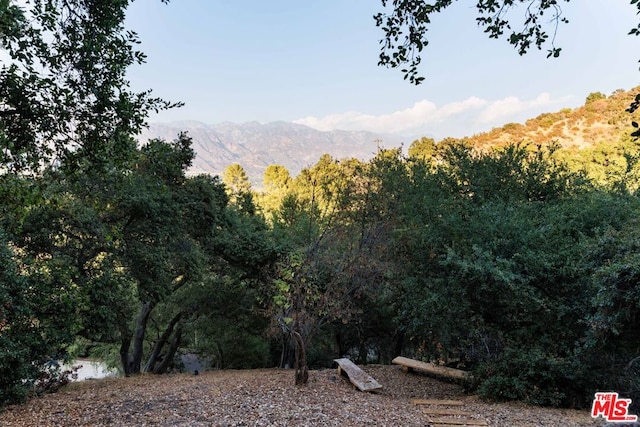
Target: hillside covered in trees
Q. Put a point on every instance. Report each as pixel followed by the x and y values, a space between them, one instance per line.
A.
pixel 517 262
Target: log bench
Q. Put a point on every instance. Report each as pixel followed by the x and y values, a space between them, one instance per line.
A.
pixel 359 378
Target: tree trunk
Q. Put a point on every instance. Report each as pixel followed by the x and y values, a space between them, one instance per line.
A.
pixel 363 353
pixel 138 339
pixel 287 355
pixel 399 344
pixel 125 343
pixel 339 345
pixel 157 348
pixel 166 361
pixel 302 371
pixel 220 362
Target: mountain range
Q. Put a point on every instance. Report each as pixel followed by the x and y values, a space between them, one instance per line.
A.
pixel 255 146
pixel 601 120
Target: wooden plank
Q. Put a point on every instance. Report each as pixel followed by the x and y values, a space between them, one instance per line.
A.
pixel 431 368
pixel 436 402
pixel 449 425
pixel 442 411
pixel 358 377
pixel 458 421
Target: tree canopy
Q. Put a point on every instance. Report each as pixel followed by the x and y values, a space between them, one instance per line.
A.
pixel 525 24
pixel 65 96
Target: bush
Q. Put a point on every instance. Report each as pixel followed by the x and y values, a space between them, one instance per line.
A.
pixel 27 336
pixel 533 376
pixel 17 337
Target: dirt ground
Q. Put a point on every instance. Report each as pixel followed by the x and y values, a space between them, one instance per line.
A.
pixel 268 397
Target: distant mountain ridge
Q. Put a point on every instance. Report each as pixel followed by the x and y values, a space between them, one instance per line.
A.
pixel 602 119
pixel 255 146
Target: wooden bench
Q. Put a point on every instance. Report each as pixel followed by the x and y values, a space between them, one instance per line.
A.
pixel 358 377
pixel 443 371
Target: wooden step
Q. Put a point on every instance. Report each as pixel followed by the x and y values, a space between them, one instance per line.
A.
pixel 457 422
pixel 450 425
pixel 437 402
pixel 443 411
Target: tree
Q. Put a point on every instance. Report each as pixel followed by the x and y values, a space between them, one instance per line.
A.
pixel 238 187
pixel 24 341
pixel 133 257
pixel 611 346
pixel 334 265
pixel 159 251
pixel 500 261
pixel 276 177
pixel 64 96
pixel 277 184
pixel 236 179
pixel 65 105
pixel 594 96
pixel 423 148
pixel 181 244
pixel 406 24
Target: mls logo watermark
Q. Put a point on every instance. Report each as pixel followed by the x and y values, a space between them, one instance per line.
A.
pixel 612 408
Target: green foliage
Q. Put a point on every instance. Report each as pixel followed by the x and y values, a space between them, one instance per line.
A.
pixel 111 253
pixel 276 177
pixel 423 149
pixel 68 118
pixel 406 25
pixel 18 336
pixel 237 182
pixel 277 185
pixel 511 173
pixel 535 376
pixel 111 244
pixel 224 327
pixel 595 96
pixel 65 93
pixel 36 321
pixel 611 345
pixel 490 250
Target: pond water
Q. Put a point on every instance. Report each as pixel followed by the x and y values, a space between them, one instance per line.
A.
pixel 91 369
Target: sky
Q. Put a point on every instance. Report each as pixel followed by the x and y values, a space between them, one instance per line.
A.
pixel 314 62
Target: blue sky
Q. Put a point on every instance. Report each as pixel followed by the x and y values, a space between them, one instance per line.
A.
pixel 315 62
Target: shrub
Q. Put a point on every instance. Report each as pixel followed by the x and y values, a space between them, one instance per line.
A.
pixel 533 376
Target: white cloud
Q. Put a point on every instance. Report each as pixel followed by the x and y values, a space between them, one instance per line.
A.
pixel 500 111
pixel 501 108
pixel 453 119
pixel 421 114
pixel 455 108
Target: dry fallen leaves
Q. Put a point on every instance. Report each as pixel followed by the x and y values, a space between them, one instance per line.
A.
pixel 267 397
